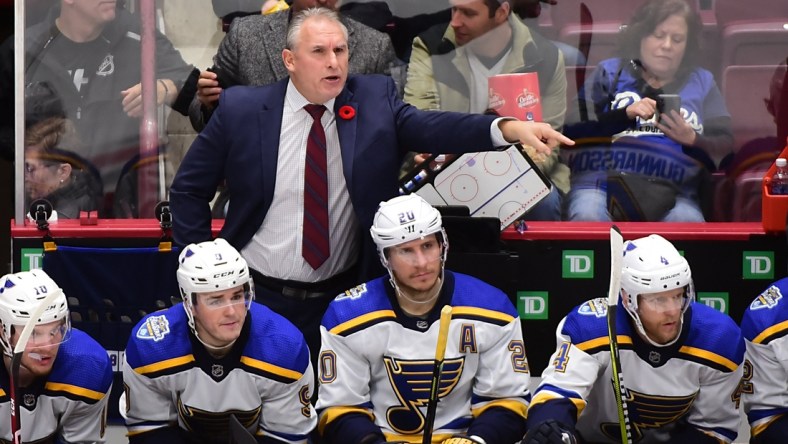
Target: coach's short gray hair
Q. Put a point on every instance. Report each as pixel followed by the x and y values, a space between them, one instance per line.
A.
pixel 298 22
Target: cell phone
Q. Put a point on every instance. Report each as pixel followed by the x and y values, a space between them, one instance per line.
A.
pixel 224 79
pixel 666 103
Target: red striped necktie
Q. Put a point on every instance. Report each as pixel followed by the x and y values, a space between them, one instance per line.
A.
pixel 314 246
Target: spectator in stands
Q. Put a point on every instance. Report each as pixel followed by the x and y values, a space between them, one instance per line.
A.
pixel 87 53
pixel 298 216
pixel 251 54
pixel 664 160
pixel 55 172
pixel 765 382
pixel 449 68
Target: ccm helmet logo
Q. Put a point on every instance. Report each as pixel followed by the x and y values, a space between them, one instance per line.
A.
pixel 225 274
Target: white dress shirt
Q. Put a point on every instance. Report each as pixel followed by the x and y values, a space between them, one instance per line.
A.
pixel 275 250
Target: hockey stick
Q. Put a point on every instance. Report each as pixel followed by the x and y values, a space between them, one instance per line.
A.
pixel 616 258
pixel 239 433
pixel 440 351
pixel 16 361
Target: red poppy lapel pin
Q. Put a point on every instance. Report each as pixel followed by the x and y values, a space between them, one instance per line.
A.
pixel 347 112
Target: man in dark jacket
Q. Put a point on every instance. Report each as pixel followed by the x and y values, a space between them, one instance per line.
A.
pixel 83 63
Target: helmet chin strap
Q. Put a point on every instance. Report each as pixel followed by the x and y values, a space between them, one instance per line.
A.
pixel 400 292
pixel 645 335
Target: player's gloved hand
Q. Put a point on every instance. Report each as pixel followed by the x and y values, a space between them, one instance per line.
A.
pixel 550 432
pixel 460 439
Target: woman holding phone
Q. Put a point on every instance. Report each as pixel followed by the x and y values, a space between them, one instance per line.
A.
pixel 656 113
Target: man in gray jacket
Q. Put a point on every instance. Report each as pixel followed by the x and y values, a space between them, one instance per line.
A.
pixel 251 54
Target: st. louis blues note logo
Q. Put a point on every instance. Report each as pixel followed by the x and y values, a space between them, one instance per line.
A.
pixel 595 307
pixel 767 299
pixel 647 411
pixel 411 382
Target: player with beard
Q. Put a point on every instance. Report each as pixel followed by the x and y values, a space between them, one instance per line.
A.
pixel 65 376
pixel 681 361
pixel 379 340
pixel 190 368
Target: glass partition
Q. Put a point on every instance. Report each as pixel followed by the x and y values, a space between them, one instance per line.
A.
pixel 677 110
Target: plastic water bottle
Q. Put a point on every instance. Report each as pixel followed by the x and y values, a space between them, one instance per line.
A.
pixel 780 178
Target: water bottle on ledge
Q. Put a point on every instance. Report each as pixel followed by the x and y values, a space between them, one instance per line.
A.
pixel 780 177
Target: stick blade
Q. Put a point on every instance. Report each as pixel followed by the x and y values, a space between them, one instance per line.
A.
pixel 238 432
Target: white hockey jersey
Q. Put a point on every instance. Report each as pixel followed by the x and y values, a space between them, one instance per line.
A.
pixel 692 381
pixel 266 379
pixel 377 361
pixel 71 403
pixel 765 383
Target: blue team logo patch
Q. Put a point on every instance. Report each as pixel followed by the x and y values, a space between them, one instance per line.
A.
pixel 354 293
pixel 155 328
pixel 595 307
pixel 768 299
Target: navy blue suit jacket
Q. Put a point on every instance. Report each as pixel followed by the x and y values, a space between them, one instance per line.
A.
pixel 241 144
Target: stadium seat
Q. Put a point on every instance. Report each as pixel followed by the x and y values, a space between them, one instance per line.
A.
pixel 592 26
pixel 744 89
pixel 755 43
pixel 754 32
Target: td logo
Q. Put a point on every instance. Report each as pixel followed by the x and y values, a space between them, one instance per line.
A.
pixel 32 259
pixel 717 300
pixel 532 304
pixel 758 265
pixel 577 264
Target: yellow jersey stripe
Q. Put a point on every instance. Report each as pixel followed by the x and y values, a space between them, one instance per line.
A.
pixel 355 322
pixel 770 331
pixel 762 425
pixel 271 368
pixel 482 312
pixel 509 404
pixel 416 439
pixel 332 413
pixel 709 356
pixel 75 390
pixel 546 396
pixel 163 365
pixel 602 341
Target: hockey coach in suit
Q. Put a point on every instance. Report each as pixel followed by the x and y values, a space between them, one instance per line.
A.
pixel 258 141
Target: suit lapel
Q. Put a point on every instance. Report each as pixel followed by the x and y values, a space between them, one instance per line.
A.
pixel 269 126
pixel 346 128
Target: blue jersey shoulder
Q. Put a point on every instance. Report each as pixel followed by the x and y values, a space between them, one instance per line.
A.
pixel 159 337
pixel 276 341
pixel 588 321
pixel 766 317
pixel 715 332
pixel 82 363
pixel 361 304
pixel 474 293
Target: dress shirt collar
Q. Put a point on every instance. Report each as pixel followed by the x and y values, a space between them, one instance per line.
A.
pixel 297 101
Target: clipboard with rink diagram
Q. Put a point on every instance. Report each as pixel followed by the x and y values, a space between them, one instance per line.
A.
pixel 503 184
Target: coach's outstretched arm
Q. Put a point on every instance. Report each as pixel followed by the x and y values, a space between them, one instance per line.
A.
pixel 541 136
